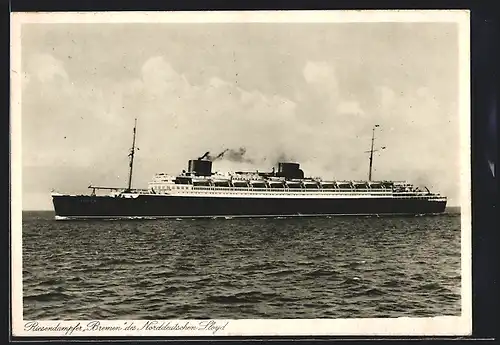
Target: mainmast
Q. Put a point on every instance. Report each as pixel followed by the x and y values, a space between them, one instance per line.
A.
pixel 131 155
pixel 371 152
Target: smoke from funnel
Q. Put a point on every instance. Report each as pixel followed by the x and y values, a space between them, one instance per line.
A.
pixel 233 155
pixel 283 158
pixel 220 155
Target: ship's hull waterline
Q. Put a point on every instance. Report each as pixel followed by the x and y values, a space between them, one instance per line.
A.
pixel 176 206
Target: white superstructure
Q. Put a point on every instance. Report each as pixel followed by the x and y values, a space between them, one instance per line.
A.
pixel 252 185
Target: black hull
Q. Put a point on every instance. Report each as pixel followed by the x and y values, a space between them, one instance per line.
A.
pixel 155 206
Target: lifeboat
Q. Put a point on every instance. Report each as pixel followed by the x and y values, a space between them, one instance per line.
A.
pixel 344 185
pixel 275 184
pixel 327 185
pixel 257 183
pixel 239 183
pixel 221 182
pixel 376 185
pixel 360 185
pixel 310 184
pixel 293 184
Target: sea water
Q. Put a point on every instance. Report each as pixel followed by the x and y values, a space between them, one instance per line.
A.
pixel 326 267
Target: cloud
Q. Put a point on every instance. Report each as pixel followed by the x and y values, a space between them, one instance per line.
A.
pixel 184 120
pixel 387 96
pixel 88 124
pixel 322 78
pixel 46 68
pixel 318 72
pixel 212 115
pixel 350 107
pixel 421 137
pixel 325 90
pixel 81 157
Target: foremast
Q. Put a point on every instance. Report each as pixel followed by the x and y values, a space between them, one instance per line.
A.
pixel 131 155
pixel 130 172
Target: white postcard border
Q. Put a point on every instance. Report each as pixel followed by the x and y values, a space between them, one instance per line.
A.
pixel 460 325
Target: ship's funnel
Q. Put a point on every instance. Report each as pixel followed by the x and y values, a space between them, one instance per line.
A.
pixel 290 171
pixel 200 167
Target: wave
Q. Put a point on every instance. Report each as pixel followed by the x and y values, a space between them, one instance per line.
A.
pixel 257 267
pixel 372 292
pixel 242 297
pixel 392 283
pixel 280 273
pixel 50 282
pixel 162 274
pixel 295 268
pixel 47 297
pixel 430 286
pixel 115 261
pixel 321 273
pixel 171 288
pixel 351 281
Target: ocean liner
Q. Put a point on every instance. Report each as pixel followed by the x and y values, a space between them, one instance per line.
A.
pixel 199 192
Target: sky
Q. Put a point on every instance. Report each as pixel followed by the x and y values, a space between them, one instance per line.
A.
pixel 306 92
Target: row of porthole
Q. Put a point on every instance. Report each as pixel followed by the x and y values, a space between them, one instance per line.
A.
pixel 208 192
pixel 257 193
pixel 397 197
pixel 272 192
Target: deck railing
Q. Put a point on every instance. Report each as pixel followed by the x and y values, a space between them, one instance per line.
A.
pixel 309 190
pixel 304 191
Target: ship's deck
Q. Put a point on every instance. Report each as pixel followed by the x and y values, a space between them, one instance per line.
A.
pixel 296 192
